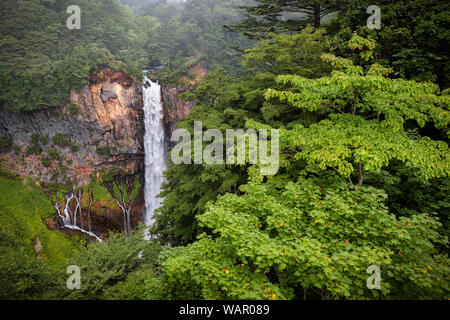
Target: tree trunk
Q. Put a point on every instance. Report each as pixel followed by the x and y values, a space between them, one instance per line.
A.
pixel 317 12
pixel 91 200
pixel 360 172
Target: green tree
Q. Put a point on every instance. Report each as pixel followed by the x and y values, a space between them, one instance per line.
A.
pixel 42 60
pixel 224 102
pixel 5 143
pixel 412 40
pixel 297 53
pixel 105 267
pixel 284 15
pixel 27 273
pixel 24 276
pixel 313 229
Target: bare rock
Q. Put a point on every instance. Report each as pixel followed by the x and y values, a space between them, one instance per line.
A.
pixel 107 114
pixel 37 245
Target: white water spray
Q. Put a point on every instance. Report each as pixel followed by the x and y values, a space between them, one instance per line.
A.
pixel 69 219
pixel 155 151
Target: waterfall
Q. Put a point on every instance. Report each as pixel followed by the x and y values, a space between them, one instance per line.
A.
pixel 155 164
pixel 69 219
pixel 155 151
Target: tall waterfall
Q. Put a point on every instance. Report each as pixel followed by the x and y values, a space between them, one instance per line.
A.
pixel 155 150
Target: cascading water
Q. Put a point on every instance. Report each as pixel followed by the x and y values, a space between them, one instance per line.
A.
pixel 155 163
pixel 69 219
pixel 155 150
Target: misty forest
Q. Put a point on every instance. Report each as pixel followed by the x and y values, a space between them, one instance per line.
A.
pixel 97 98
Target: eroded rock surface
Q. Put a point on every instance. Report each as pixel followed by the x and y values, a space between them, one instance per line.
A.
pixel 103 123
pixel 175 108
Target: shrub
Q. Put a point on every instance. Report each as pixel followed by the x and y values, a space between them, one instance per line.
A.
pixel 35 138
pixel 105 151
pixel 16 150
pixel 191 76
pixel 74 109
pixel 22 214
pixel 62 168
pixel 5 143
pixel 44 140
pixel 113 269
pixel 61 140
pixel 45 162
pixel 53 154
pixel 34 149
pixel 74 147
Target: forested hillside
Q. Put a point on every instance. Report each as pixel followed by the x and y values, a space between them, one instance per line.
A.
pixel 42 60
pixel 361 117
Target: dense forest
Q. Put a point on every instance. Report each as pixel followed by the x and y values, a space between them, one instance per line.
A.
pixel 363 119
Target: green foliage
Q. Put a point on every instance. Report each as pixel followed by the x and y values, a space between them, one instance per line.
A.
pixel 61 188
pixel 34 149
pixel 133 190
pixel 113 267
pixel 74 147
pixel 100 193
pixel 312 230
pixel 35 138
pixel 44 140
pixel 106 151
pixel 25 274
pixel 5 143
pixel 224 102
pixel 179 35
pixel 16 149
pixel 45 162
pixel 61 140
pixel 264 16
pixel 412 38
pixel 42 60
pixel 347 141
pixel 62 168
pixel 370 94
pixel 74 109
pixel 133 287
pixel 297 53
pixel 285 238
pixel 53 154
pixel 364 163
pixel 344 141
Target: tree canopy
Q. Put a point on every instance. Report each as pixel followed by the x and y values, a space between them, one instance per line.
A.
pixel 284 15
pixel 313 229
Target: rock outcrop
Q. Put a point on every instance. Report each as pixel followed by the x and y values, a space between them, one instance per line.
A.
pixel 101 128
pixel 99 131
pixel 176 109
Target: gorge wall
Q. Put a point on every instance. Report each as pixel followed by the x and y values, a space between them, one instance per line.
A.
pixel 99 131
pixel 101 127
pixel 175 108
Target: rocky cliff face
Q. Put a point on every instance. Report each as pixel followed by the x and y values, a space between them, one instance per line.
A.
pixel 176 109
pixel 100 128
pixel 100 131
